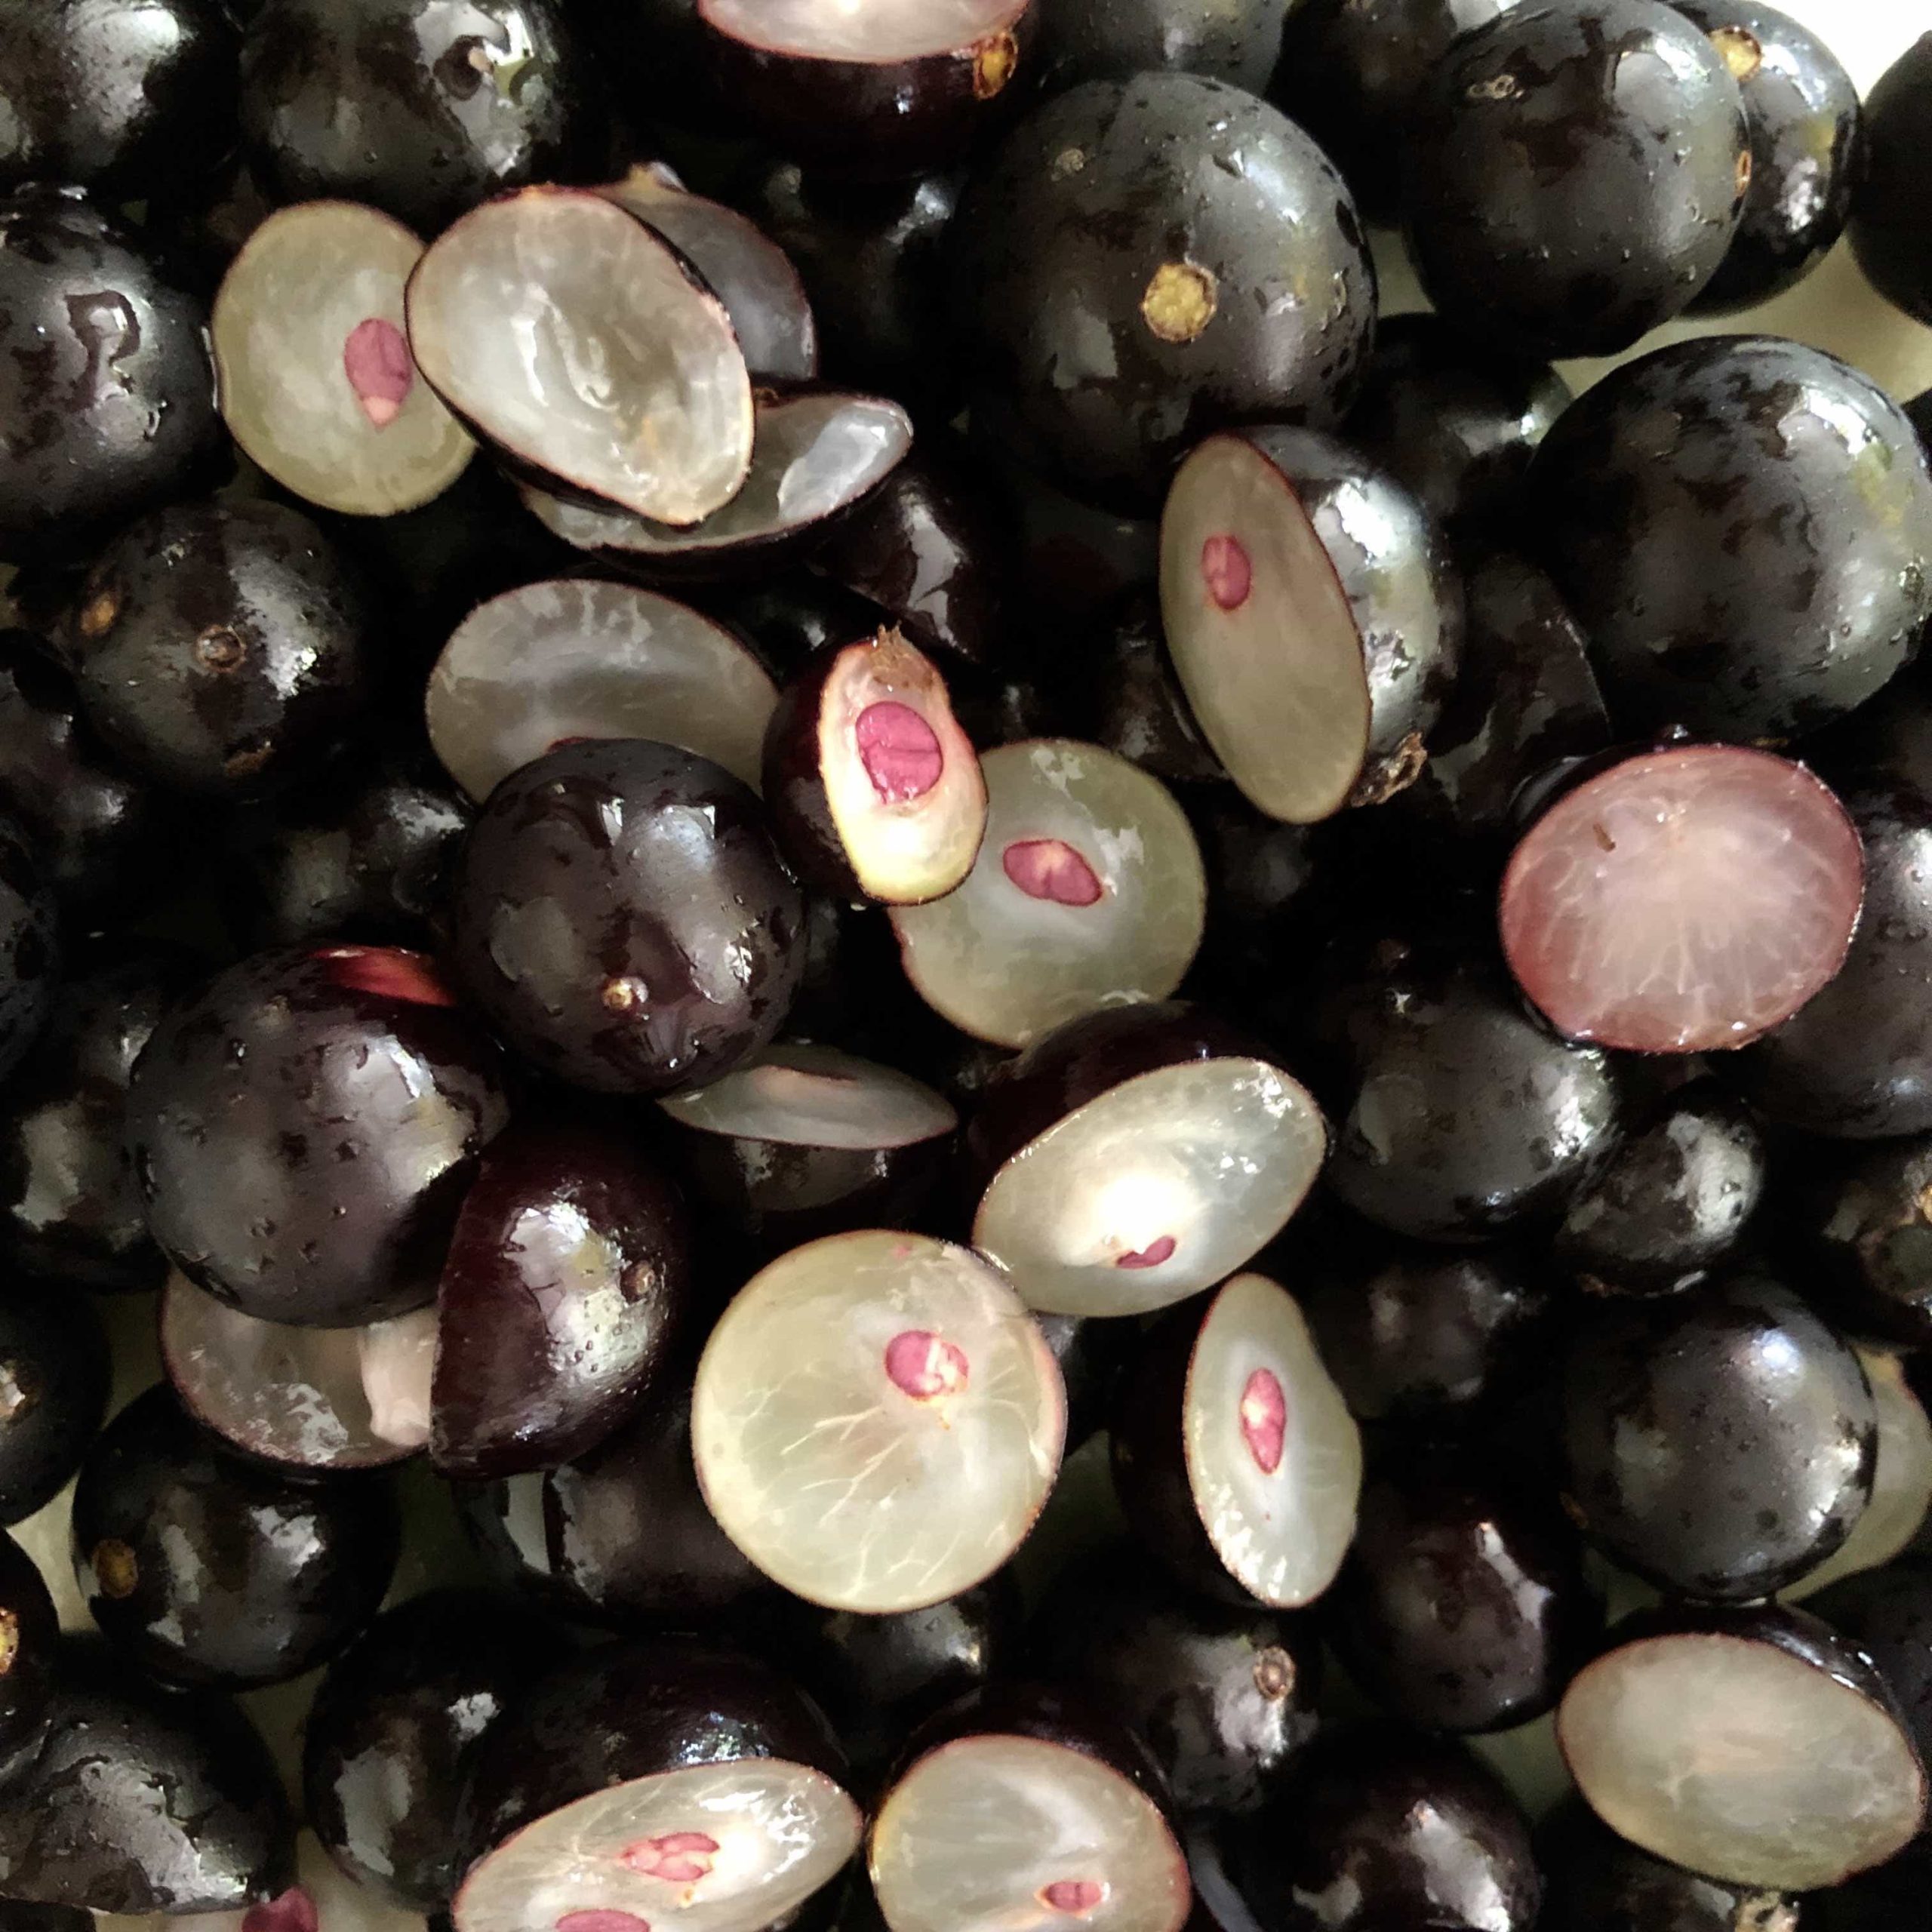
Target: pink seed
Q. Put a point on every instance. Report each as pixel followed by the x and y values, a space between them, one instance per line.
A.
pixel 1050 868
pixel 900 751
pixel 680 1858
pixel 375 359
pixel 922 1364
pixel 1152 1255
pixel 294 1911
pixel 1226 571
pixel 602 1920
pixel 1075 1897
pixel 389 972
pixel 1264 1420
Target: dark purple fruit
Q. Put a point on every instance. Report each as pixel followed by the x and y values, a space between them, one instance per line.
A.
pixel 1197 212
pixel 1130 701
pixel 1888 207
pixel 1092 40
pixel 395 1726
pixel 1806 149
pixel 303 1132
pixel 1887 1614
pixel 1572 176
pixel 1868 1219
pixel 201 223
pixel 1225 1698
pixel 623 918
pixel 30 948
pixel 221 648
pixel 568 1273
pixel 422 111
pixel 108 391
pixel 208 1568
pixel 54 1371
pixel 1092 1352
pixel 1720 1442
pixel 1463 1605
pixel 141 1800
pixel 1775 633
pixel 29 1636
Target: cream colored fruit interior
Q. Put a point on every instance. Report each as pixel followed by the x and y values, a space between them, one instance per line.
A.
pixel 308 278
pixel 577 660
pixel 570 334
pixel 833 1480
pixel 1277 683
pixel 1005 966
pixel 1736 1759
pixel 1257 1391
pixel 781 1831
pixel 817 1096
pixel 860 29
pixel 1162 1187
pixel 980 1834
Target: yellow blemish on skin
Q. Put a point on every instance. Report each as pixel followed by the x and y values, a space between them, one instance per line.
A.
pixel 1180 301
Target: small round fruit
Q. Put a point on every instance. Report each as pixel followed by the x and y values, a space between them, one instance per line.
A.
pixel 29 1636
pixel 1888 206
pixel 624 919
pixel 29 949
pixel 1868 1220
pixel 877 1421
pixel 1087 40
pixel 54 1374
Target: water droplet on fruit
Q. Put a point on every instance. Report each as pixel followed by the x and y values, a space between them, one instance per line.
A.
pixel 1073 1898
pixel 376 361
pixel 679 1858
pixel 1050 868
pixel 1226 571
pixel 1264 1420
pixel 994 65
pixel 923 1365
pixel 899 750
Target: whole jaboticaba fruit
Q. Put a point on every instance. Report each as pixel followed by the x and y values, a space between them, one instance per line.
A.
pixel 30 948
pixel 1888 210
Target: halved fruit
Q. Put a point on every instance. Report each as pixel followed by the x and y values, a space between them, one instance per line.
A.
pixel 877 1421
pixel 817 455
pixel 576 658
pixel 1235 1454
pixel 316 381
pixel 1088 892
pixel 1755 1745
pixel 874 790
pixel 318 1398
pixel 1683 900
pixel 581 346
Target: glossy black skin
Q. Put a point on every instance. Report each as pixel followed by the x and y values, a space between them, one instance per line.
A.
pixel 69 1211
pixel 1224 1697
pixel 200 224
pixel 569 1274
pixel 1892 1898
pixel 221 649
pixel 1127 697
pixel 108 97
pixel 253 1185
pixel 631 1710
pixel 1467 1120
pixel 1350 72
pixel 16 1916
pixel 1455 424
pixel 1463 1605
pixel 1888 210
pixel 29 1638
pixel 1677 1197
pixel 142 1800
pixel 105 387
pixel 1179 171
pixel 30 948
pixel 1866 1219
pixel 788 620
pixel 1773 1425
pixel 1887 1614
pixel 1076 562
pixel 1857 1062
pixel 410 1703
pixel 1385 1827
pixel 54 1372
pixel 402 103
pixel 1572 176
pixel 1806 149
pixel 1092 40
pixel 626 990
pixel 208 1568
pixel 1598 1882
pixel 1814 575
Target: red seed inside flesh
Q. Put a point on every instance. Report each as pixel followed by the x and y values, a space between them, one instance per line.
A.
pixel 899 750
pixel 1226 571
pixel 388 972
pixel 679 1858
pixel 1152 1255
pixel 1264 1420
pixel 923 1365
pixel 1050 868
pixel 376 361
pixel 1073 1898
pixel 292 1911
pixel 602 1920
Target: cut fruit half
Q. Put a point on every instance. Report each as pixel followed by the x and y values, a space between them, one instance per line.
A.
pixel 875 30
pixel 311 356
pixel 817 1096
pixel 1755 1746
pixel 874 790
pixel 748 271
pixel 987 1833
pixel 1088 892
pixel 877 1421
pixel 317 1398
pixel 581 345
pixel 817 455
pixel 572 659
pixel 1683 900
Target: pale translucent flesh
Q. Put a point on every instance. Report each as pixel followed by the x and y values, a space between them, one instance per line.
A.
pixel 816 1096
